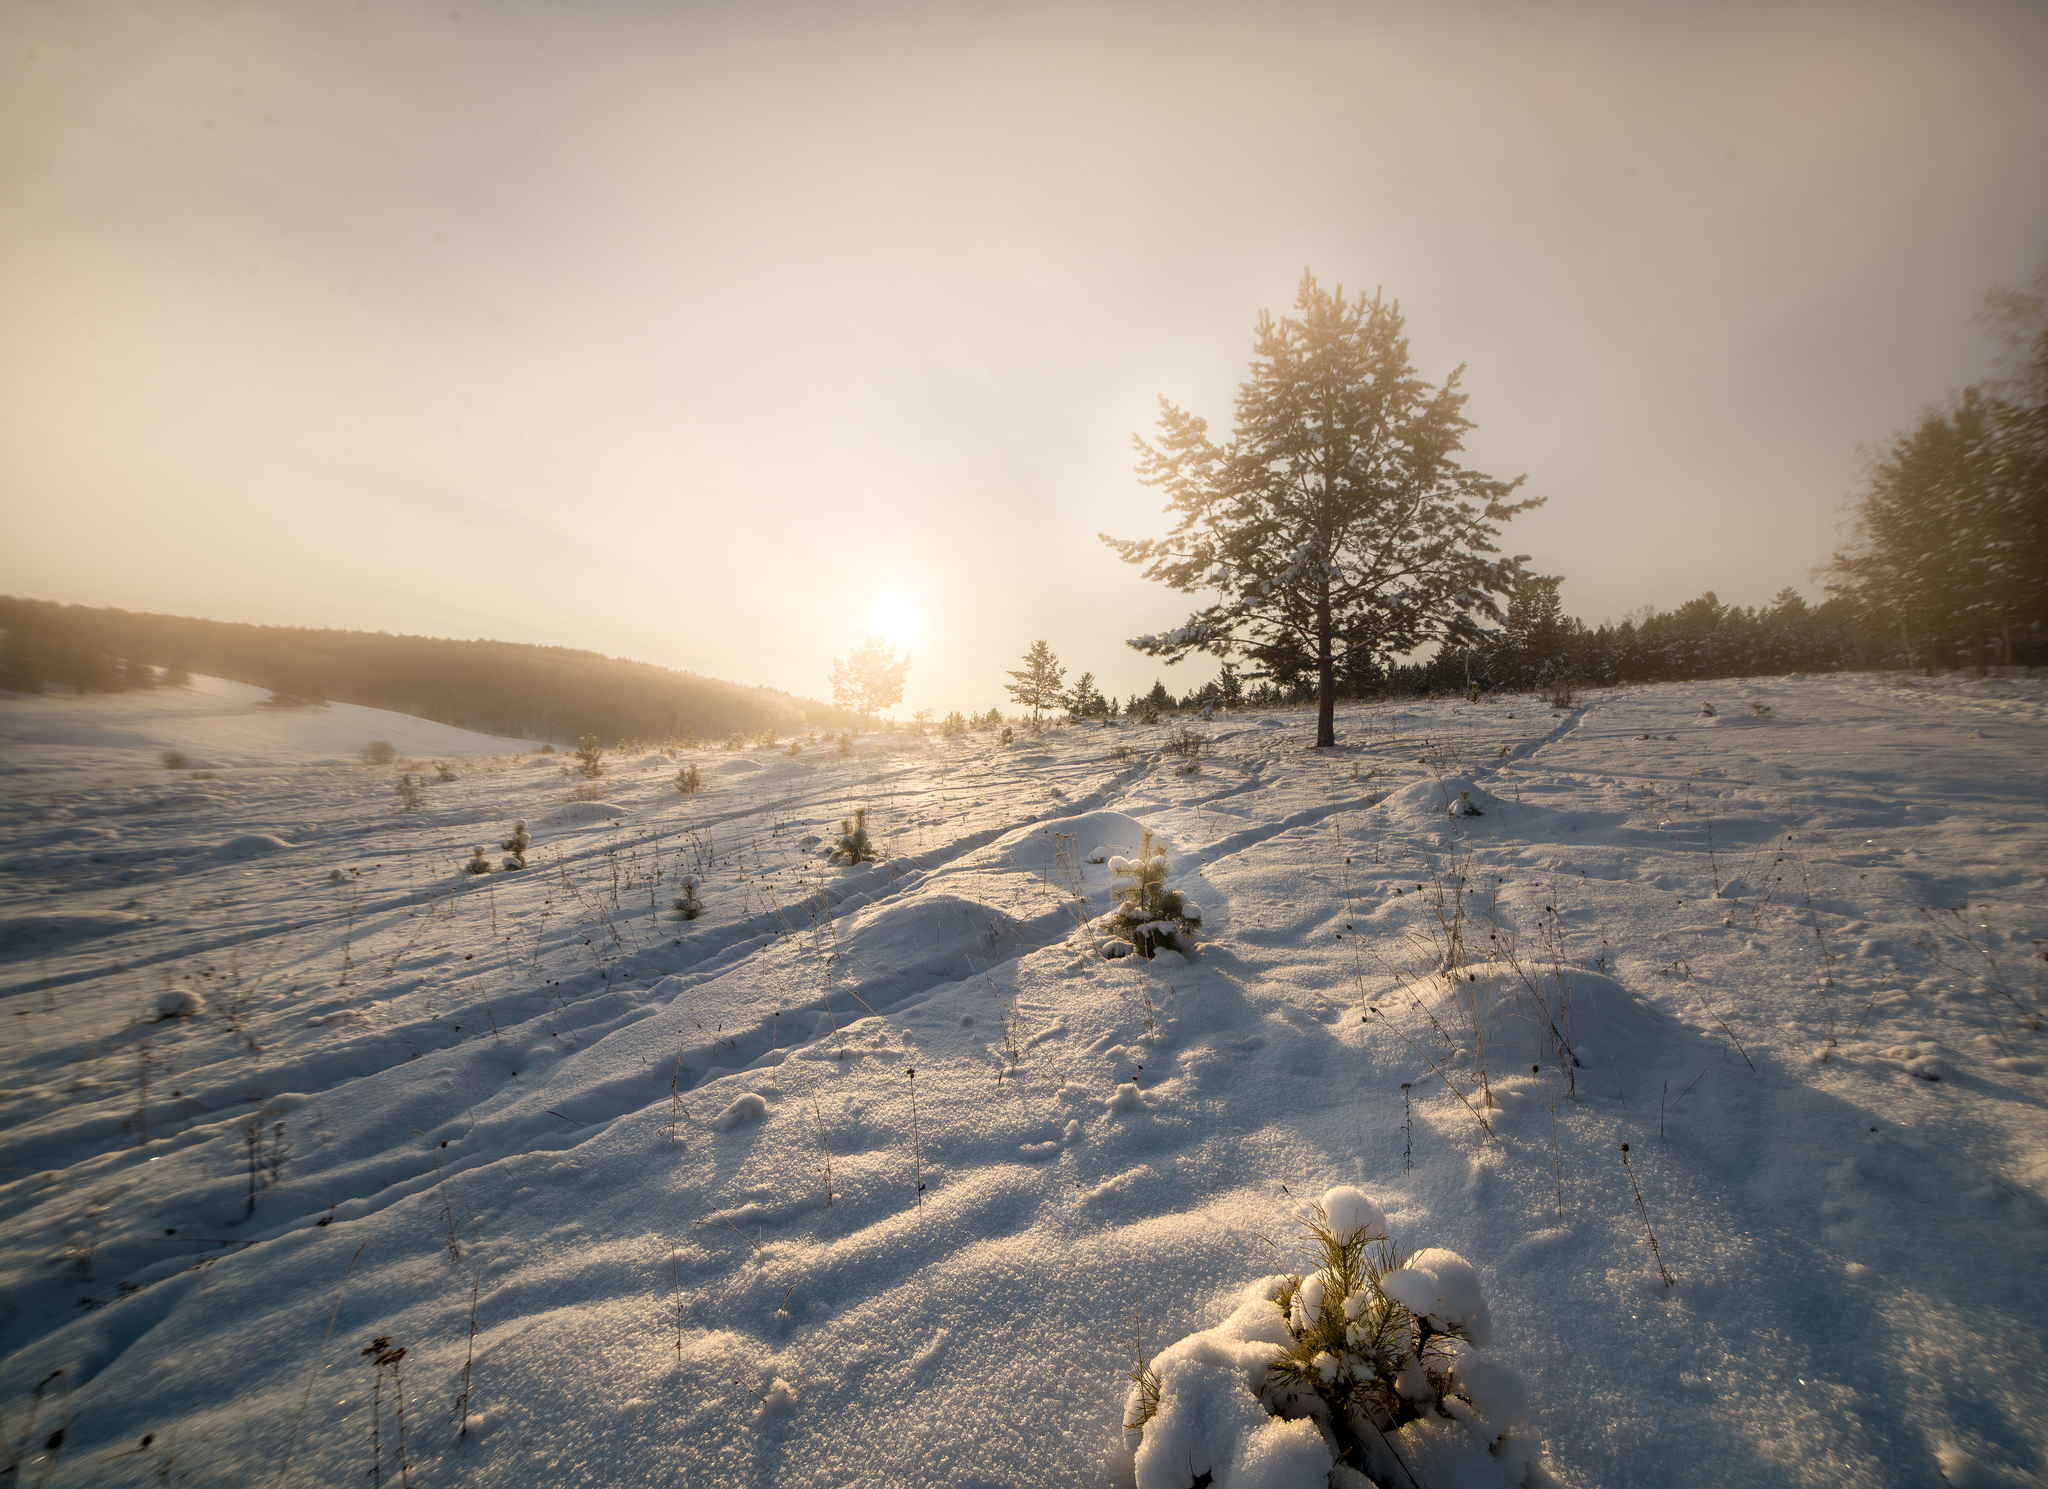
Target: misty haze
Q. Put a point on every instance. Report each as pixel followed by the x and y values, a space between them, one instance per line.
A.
pixel 1285 747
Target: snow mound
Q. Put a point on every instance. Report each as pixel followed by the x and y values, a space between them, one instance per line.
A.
pixel 251 845
pixel 739 765
pixel 575 813
pixel 1076 840
pixel 655 762
pixel 179 1003
pixel 746 1107
pixel 29 931
pixel 1432 801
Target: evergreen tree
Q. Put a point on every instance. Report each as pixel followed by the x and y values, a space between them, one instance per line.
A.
pixel 1038 682
pixel 1085 700
pixel 1337 515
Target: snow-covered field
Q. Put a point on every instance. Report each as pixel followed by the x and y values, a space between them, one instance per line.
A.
pixel 679 1162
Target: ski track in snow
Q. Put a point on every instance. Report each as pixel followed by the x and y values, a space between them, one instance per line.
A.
pixel 632 1123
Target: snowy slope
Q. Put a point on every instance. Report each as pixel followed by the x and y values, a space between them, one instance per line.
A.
pixel 686 1155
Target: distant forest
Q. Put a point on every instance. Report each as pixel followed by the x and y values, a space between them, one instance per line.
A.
pixel 1540 647
pixel 495 687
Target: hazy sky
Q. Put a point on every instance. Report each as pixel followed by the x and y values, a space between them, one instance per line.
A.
pixel 686 332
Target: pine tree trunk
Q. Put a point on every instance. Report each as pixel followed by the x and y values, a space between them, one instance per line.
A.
pixel 1981 668
pixel 1326 675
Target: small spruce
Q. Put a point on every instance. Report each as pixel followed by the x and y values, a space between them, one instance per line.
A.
pixel 855 846
pixel 515 848
pixel 687 905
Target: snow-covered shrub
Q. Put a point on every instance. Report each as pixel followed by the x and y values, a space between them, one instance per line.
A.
pixel 478 864
pixel 1360 1371
pixel 1760 710
pixel 515 848
pixel 178 1003
pixel 855 846
pixel 175 760
pixel 687 905
pixel 1148 914
pixel 411 793
pixel 589 757
pixel 1006 734
pixel 380 752
pixel 796 747
pixel 1707 711
pixel 442 773
pixel 689 781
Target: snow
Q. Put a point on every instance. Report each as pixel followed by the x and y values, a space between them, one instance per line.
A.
pixel 748 1106
pixel 1830 1084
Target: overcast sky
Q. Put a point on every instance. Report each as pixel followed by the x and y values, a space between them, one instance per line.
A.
pixel 684 333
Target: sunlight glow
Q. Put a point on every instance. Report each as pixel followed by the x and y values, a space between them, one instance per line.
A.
pixel 893 617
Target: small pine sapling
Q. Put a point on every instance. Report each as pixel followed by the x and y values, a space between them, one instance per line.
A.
pixel 952 725
pixel 515 848
pixel 478 864
pixel 380 752
pixel 855 846
pixel 1372 1337
pixel 846 742
pixel 412 793
pixel 687 905
pixel 1148 914
pixel 589 758
pixel 689 781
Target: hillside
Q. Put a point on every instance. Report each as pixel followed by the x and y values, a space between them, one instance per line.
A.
pixel 654 1200
pixel 493 687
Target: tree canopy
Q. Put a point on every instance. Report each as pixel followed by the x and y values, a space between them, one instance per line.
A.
pixel 1336 527
pixel 1949 537
pixel 871 677
pixel 1038 681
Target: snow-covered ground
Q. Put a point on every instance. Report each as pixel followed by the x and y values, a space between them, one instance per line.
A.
pixel 678 1162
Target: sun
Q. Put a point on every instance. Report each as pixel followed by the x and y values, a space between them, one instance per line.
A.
pixel 893 617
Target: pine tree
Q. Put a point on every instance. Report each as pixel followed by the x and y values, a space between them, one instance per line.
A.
pixel 1085 700
pixel 1336 516
pixel 1038 681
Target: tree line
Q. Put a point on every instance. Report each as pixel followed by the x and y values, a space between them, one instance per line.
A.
pixel 495 687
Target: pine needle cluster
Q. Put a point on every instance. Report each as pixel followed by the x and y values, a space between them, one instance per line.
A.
pixel 1363 1356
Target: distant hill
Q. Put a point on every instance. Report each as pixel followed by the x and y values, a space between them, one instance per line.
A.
pixel 497 687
